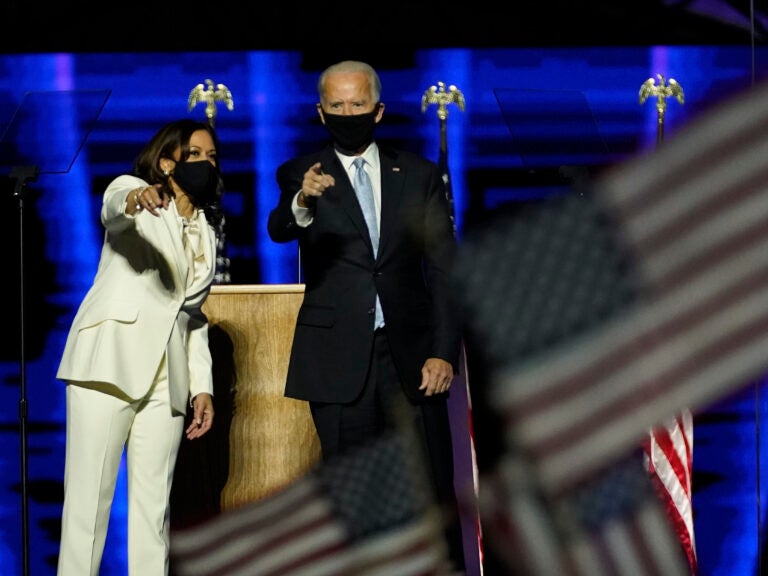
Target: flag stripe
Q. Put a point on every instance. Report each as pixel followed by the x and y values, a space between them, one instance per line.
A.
pixel 669 452
pixel 673 261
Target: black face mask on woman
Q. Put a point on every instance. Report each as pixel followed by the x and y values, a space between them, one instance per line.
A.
pixel 200 180
pixel 351 132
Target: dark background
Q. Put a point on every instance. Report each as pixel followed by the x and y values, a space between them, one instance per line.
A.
pixel 393 27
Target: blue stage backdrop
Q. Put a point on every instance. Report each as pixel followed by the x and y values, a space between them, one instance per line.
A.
pixel 535 120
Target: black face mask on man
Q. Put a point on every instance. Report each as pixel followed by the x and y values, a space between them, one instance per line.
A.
pixel 200 180
pixel 351 132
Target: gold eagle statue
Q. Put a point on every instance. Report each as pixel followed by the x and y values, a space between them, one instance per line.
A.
pixel 662 91
pixel 210 95
pixel 438 95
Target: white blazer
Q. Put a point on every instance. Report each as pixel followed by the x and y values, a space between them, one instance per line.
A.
pixel 140 305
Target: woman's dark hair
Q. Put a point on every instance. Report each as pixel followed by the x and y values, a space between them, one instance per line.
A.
pixel 163 144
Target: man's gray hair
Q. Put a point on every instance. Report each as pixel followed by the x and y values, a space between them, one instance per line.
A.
pixel 348 66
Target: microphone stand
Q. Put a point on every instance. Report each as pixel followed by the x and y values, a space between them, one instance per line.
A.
pixel 22 174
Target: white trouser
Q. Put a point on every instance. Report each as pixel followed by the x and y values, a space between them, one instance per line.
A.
pixel 99 425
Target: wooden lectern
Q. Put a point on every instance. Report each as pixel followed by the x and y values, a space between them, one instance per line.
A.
pixel 272 439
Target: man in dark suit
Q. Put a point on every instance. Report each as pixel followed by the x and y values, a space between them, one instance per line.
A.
pixel 376 328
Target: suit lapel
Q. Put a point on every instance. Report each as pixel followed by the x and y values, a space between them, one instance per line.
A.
pixel 165 232
pixel 343 193
pixel 174 229
pixel 392 179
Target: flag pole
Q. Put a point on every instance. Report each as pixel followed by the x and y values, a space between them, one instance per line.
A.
pixel 438 94
pixel 666 444
pixel 661 91
pixel 210 94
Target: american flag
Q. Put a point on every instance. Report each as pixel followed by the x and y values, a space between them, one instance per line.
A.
pixel 463 376
pixel 669 447
pixel 222 275
pixel 669 460
pixel 442 162
pixel 608 310
pixel 364 513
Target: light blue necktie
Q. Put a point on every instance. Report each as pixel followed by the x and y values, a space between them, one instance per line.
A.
pixel 364 191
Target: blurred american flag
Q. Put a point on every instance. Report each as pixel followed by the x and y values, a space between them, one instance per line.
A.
pixel 363 513
pixel 607 311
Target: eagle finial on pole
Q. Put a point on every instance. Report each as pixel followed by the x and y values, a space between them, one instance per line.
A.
pixel 661 91
pixel 442 97
pixel 210 95
pixel 437 94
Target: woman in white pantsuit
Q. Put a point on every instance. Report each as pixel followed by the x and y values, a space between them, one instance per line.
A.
pixel 137 352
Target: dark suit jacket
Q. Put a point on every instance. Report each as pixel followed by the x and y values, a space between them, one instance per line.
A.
pixel 334 331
